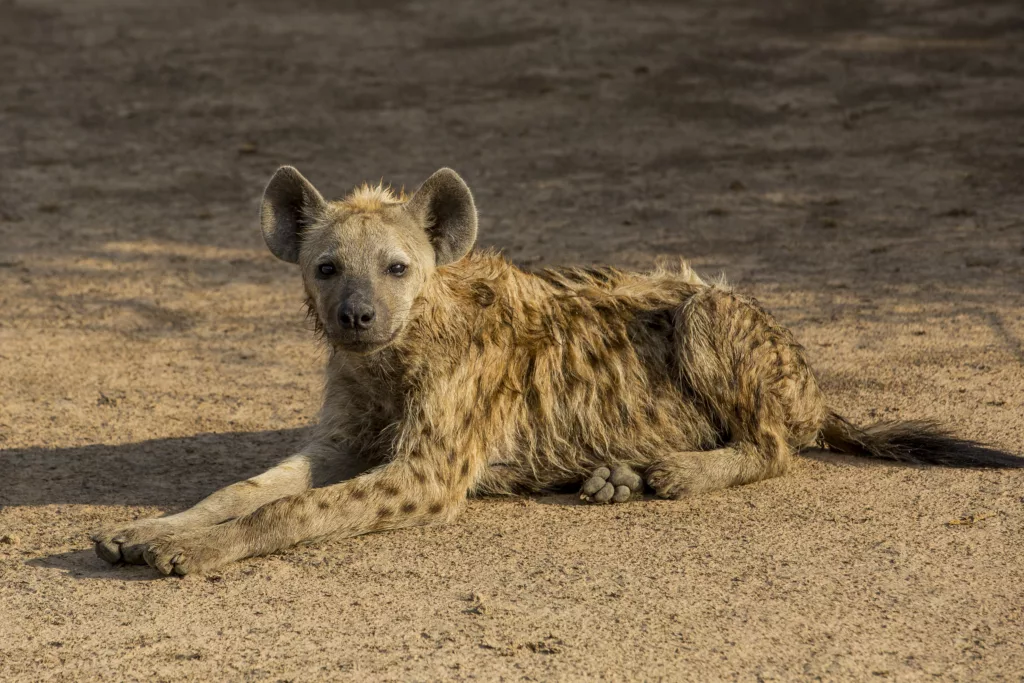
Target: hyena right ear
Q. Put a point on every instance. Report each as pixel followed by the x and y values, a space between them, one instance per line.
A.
pixel 290 205
pixel 444 206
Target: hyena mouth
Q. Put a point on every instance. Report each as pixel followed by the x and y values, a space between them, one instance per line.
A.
pixel 364 347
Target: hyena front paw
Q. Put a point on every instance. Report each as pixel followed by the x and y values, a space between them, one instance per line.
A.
pixel 191 552
pixel 127 543
pixel 616 485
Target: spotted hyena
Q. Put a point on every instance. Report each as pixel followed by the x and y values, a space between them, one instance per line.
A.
pixel 453 373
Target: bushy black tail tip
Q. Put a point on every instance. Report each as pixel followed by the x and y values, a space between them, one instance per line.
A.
pixel 921 442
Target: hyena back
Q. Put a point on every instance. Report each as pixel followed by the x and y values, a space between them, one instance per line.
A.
pixel 454 373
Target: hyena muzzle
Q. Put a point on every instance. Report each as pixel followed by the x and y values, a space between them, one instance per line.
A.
pixel 453 373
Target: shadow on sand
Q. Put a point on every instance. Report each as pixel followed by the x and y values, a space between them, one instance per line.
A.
pixel 85 564
pixel 166 473
pixel 163 472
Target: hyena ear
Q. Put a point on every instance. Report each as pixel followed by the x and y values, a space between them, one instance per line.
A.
pixel 290 205
pixel 444 206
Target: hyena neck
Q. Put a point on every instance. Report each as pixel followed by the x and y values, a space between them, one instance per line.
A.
pixel 439 328
pixel 447 316
pixel 453 301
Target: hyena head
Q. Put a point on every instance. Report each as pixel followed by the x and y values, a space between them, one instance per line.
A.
pixel 366 258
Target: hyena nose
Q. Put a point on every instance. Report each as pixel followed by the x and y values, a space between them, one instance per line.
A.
pixel 356 315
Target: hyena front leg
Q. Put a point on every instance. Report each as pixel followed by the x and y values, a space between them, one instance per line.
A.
pixel 316 464
pixel 751 376
pixel 397 495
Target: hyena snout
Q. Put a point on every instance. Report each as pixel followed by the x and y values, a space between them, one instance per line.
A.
pixel 356 313
pixel 361 322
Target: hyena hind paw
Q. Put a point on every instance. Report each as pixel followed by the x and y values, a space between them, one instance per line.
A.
pixel 615 485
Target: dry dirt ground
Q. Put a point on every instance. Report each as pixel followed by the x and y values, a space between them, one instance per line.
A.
pixel 856 165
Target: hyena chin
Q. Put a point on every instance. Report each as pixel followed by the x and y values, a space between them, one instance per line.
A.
pixel 454 373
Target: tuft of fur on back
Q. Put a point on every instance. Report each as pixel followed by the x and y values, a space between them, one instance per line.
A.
pixel 920 441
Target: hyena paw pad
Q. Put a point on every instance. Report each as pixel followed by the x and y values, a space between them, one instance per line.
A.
pixel 615 485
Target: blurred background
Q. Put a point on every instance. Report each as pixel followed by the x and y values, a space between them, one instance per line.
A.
pixel 734 133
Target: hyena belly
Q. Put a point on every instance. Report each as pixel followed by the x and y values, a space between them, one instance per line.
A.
pixel 605 390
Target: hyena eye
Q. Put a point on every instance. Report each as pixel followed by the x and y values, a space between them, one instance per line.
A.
pixel 325 269
pixel 397 269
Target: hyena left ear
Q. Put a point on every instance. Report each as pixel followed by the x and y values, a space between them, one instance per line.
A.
pixel 290 205
pixel 444 206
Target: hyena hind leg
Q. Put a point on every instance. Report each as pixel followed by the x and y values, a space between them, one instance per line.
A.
pixel 683 474
pixel 751 375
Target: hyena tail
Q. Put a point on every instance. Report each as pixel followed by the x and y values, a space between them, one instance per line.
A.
pixel 921 442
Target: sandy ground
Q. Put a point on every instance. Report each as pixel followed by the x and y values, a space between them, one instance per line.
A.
pixel 857 166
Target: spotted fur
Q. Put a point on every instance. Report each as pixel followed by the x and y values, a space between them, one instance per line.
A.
pixel 502 381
